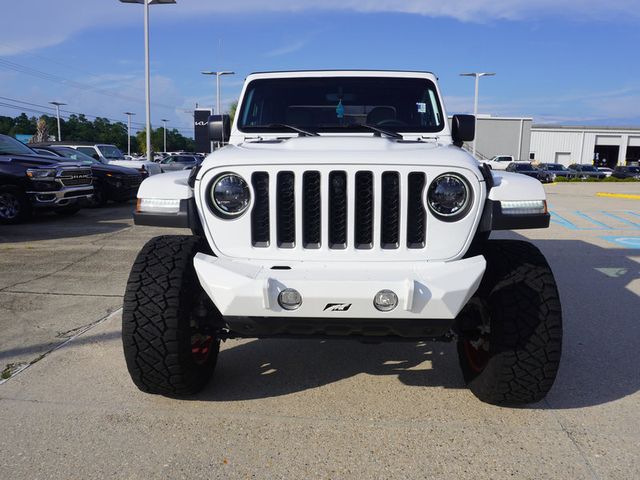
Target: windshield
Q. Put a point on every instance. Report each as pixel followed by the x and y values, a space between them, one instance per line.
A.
pixel 523 166
pixel 110 152
pixel 634 169
pixel 555 167
pixel 76 155
pixel 11 146
pixel 588 168
pixel 334 104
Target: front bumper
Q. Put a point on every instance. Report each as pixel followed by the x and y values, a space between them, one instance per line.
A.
pixel 59 198
pixel 425 290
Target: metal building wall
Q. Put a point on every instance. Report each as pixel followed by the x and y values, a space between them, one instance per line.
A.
pixel 503 136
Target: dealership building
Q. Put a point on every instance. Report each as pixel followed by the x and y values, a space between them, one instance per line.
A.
pixel 606 146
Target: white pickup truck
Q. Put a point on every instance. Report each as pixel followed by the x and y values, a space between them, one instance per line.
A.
pixel 499 162
pixel 343 206
pixel 111 155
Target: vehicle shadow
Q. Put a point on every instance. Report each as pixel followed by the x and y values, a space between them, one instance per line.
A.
pixel 269 368
pixel 599 363
pixel 88 221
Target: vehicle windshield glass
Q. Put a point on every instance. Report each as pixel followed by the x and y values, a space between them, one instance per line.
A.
pixel 76 155
pixel 634 169
pixel 554 167
pixel 334 104
pixel 523 166
pixel 111 152
pixel 589 168
pixel 11 146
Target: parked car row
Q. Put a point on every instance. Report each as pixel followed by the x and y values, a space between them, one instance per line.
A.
pixel 58 179
pixel 549 172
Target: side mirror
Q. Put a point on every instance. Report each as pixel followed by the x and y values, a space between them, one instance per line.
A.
pixel 463 129
pixel 219 128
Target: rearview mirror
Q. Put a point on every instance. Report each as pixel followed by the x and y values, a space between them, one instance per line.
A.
pixel 219 128
pixel 463 129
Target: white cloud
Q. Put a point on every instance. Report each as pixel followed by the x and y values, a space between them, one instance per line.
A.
pixel 286 49
pixel 32 24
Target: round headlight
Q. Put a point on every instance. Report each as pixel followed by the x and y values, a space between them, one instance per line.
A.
pixel 449 196
pixel 230 195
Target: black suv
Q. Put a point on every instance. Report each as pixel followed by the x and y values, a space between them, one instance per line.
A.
pixel 556 170
pixel 110 182
pixel 628 171
pixel 29 182
pixel 527 168
pixel 585 171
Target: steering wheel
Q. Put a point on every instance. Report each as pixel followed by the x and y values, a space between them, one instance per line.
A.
pixel 391 122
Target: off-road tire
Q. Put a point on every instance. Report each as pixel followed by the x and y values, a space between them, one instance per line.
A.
pixel 519 299
pixel 161 297
pixel 19 205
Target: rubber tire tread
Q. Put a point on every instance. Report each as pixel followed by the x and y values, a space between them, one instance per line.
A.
pixel 26 209
pixel 525 312
pixel 156 333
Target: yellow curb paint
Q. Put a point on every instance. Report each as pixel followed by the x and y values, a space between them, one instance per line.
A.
pixel 618 195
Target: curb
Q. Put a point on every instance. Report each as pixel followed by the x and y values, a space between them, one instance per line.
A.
pixel 618 195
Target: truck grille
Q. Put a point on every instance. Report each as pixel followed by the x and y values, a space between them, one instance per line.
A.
pixel 302 225
pixel 75 177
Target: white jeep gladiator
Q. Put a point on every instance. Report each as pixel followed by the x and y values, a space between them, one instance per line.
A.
pixel 343 206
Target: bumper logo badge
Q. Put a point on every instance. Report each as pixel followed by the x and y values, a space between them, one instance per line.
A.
pixel 337 307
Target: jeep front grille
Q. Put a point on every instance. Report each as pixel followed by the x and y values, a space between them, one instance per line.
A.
pixel 345 223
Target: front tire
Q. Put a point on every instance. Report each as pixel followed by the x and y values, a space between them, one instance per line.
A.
pixel 510 333
pixel 168 321
pixel 14 205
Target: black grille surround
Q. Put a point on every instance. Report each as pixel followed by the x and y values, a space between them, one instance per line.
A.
pixel 388 210
pixel 77 177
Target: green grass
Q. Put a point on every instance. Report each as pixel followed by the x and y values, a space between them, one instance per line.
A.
pixel 606 179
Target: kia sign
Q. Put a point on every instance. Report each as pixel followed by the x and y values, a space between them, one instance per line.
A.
pixel 200 130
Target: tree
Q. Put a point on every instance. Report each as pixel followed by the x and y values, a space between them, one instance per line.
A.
pixel 232 110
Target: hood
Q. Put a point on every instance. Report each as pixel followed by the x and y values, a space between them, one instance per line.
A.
pixel 35 161
pixel 117 169
pixel 327 149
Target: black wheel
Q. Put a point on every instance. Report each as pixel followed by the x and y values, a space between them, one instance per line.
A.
pixel 67 211
pixel 168 321
pixel 14 205
pixel 510 332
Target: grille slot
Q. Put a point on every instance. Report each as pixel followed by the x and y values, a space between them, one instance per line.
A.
pixel 338 210
pixel 311 210
pixel 285 210
pixel 390 219
pixel 260 231
pixel 416 214
pixel 364 210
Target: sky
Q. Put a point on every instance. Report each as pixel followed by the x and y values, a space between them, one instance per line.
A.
pixel 572 62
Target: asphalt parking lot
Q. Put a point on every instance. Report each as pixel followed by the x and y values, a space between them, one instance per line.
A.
pixel 312 409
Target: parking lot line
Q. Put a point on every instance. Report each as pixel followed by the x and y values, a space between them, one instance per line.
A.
pixel 618 195
pixel 622 220
pixel 555 218
pixel 603 226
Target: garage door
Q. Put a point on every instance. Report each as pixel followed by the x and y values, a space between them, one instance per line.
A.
pixel 563 158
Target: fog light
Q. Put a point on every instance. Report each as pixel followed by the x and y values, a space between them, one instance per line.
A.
pixel 385 300
pixel 290 299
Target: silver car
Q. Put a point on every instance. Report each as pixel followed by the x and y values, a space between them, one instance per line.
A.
pixel 179 162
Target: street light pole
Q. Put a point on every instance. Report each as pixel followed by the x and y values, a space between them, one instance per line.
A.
pixel 147 80
pixel 58 104
pixel 218 75
pixel 128 114
pixel 164 130
pixel 477 76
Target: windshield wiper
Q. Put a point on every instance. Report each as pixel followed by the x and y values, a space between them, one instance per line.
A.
pixel 302 132
pixel 388 133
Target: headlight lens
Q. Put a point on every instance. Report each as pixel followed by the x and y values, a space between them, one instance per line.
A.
pixel 230 195
pixel 41 173
pixel 449 196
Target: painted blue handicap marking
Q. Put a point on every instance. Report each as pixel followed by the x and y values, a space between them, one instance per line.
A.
pixel 626 242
